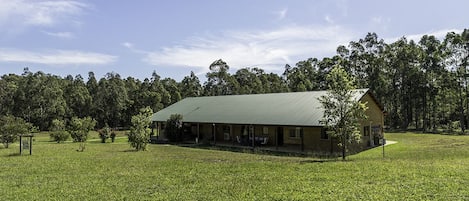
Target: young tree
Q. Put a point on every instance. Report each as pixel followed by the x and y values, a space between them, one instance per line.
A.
pixel 342 112
pixel 58 131
pixel 139 134
pixel 80 128
pixel 104 133
pixel 11 127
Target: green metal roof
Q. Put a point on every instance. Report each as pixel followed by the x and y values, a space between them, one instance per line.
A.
pixel 288 109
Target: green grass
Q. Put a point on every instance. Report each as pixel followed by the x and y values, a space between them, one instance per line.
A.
pixel 418 167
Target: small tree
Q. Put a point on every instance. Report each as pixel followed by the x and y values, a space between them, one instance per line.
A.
pixel 11 127
pixel 342 112
pixel 139 134
pixel 173 129
pixel 105 133
pixel 113 136
pixel 58 131
pixel 79 129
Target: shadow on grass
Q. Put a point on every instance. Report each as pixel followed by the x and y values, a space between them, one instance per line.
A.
pixel 322 157
pixel 318 161
pixel 14 155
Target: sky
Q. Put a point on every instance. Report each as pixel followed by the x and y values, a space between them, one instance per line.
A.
pixel 175 37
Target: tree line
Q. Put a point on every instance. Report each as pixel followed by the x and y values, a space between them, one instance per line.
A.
pixel 421 84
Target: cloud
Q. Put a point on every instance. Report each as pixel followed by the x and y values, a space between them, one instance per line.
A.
pixel 270 49
pixel 56 57
pixel 65 35
pixel 440 34
pixel 18 14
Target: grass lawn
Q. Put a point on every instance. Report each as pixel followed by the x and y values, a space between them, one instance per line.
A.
pixel 418 167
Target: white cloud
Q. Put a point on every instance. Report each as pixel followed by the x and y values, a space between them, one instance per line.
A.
pixel 23 13
pixel 65 35
pixel 270 50
pixel 440 34
pixel 56 57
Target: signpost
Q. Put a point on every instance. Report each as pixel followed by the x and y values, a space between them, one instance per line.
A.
pixel 383 142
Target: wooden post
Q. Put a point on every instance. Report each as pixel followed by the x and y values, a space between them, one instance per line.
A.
pixel 276 138
pixel 253 136
pixel 198 133
pixel 214 134
pixel 302 140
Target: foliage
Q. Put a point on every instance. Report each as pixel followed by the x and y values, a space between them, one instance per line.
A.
pixel 58 131
pixel 105 133
pixel 79 129
pixel 139 134
pixel 342 111
pixel 173 129
pixel 11 127
pixel 422 84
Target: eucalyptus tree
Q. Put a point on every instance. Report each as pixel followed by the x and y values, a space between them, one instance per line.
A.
pixel 171 86
pixel 219 81
pixel 457 57
pixel 111 100
pixel 431 64
pixel 249 80
pixel 190 86
pixel 78 98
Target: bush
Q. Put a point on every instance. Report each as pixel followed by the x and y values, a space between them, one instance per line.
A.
pixel 173 129
pixel 139 134
pixel 105 133
pixel 79 129
pixel 58 132
pixel 113 136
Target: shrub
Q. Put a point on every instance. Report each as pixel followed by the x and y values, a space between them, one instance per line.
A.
pixel 105 133
pixel 58 132
pixel 113 136
pixel 173 129
pixel 79 129
pixel 139 134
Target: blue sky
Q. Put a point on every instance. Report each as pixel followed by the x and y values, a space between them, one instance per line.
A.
pixel 174 37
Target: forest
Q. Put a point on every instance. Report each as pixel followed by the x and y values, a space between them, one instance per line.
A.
pixel 423 85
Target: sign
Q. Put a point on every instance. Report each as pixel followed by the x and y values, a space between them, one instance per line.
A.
pixel 25 144
pixel 382 141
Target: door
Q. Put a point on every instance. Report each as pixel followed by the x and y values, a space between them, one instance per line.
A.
pixel 280 136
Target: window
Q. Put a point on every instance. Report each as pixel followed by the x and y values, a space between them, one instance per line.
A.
pixel 295 132
pixel 366 131
pixel 324 134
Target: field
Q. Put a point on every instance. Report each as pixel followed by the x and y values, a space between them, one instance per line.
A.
pixel 418 167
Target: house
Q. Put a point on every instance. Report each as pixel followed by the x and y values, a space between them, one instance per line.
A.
pixel 278 120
